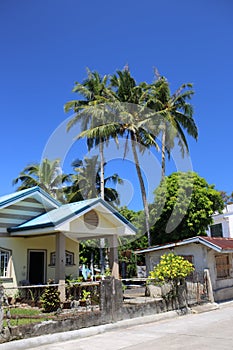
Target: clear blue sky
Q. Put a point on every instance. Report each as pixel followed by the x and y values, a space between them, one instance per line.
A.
pixel 47 45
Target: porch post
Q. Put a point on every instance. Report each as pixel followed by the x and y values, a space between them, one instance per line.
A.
pixel 60 264
pixel 113 257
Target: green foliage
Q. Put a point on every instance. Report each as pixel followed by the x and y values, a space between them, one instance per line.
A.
pixel 85 295
pixel 47 175
pixel 50 299
pixel 171 268
pixel 184 203
pixel 128 245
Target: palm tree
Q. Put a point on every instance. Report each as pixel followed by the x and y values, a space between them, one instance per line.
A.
pixel 134 124
pixel 90 111
pixel 122 112
pixel 177 114
pixel 86 181
pixel 47 175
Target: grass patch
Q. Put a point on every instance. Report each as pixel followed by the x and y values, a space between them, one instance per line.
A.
pixel 22 316
pixel 24 312
pixel 23 321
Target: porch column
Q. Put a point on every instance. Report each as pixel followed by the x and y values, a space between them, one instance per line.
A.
pixel 60 264
pixel 113 256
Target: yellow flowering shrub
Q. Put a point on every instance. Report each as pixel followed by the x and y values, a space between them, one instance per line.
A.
pixel 170 268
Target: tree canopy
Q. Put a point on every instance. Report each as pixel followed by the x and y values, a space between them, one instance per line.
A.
pixel 183 205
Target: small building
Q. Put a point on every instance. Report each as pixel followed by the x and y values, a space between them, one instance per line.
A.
pixel 214 254
pixel 39 237
pixel 222 225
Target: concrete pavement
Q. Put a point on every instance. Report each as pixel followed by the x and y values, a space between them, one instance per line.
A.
pixel 46 341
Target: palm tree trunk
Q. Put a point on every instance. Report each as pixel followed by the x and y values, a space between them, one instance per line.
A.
pixel 163 151
pixel 142 187
pixel 101 150
pixel 102 242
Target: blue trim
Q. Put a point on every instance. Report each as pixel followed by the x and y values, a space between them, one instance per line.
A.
pixel 21 194
pixel 15 229
pixel 80 210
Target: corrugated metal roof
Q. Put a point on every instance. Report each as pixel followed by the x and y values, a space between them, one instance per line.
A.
pixel 221 245
pixel 64 212
pixel 12 197
pixel 221 242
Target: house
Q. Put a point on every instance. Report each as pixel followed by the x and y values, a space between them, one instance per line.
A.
pixel 39 237
pixel 222 223
pixel 212 253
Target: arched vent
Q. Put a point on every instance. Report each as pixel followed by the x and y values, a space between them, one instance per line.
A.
pixel 91 219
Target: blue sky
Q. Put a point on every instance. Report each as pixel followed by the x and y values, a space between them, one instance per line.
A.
pixel 47 45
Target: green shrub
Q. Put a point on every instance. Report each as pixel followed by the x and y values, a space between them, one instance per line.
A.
pixel 50 299
pixel 171 268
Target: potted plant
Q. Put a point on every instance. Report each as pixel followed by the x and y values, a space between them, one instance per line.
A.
pixel 98 277
pixel 85 297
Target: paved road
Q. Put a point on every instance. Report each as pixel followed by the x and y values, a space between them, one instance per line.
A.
pixel 211 330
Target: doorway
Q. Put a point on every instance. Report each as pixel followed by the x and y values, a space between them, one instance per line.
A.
pixel 36 266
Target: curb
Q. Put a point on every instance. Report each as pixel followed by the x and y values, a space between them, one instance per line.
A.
pixel 30 343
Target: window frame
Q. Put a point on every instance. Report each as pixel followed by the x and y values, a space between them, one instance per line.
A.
pixel 223 270
pixel 67 253
pixel 7 267
pixel 214 226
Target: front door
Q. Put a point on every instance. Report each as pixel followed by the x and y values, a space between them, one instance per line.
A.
pixel 36 266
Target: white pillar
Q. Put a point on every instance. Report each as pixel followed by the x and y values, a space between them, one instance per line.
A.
pixel 60 263
pixel 113 258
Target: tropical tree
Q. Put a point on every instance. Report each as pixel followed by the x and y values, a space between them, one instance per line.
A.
pixel 90 113
pixel 177 114
pixel 86 112
pixel 47 175
pixel 86 182
pixel 134 123
pixel 183 207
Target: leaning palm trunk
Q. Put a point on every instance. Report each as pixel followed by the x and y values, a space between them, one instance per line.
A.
pixel 102 242
pixel 101 149
pixel 142 187
pixel 163 151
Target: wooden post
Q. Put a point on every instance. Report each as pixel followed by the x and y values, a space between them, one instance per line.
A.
pixel 60 264
pixel 113 257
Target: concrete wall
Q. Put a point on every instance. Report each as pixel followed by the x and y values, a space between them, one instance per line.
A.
pixel 198 251
pixel 111 310
pixel 203 258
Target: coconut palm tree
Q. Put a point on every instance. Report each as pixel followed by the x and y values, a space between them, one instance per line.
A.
pixel 47 175
pixel 86 182
pixel 124 113
pixel 90 112
pixel 135 123
pixel 177 114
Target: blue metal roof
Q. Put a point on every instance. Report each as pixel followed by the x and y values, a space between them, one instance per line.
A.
pixel 8 199
pixel 63 213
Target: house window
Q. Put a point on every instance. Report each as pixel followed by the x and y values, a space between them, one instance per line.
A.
pixel 69 259
pixel 222 266
pixel 216 230
pixel 4 262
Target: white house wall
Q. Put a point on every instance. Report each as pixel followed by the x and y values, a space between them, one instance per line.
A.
pixel 19 248
pixel 105 227
pixel 198 252
pixel 226 219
